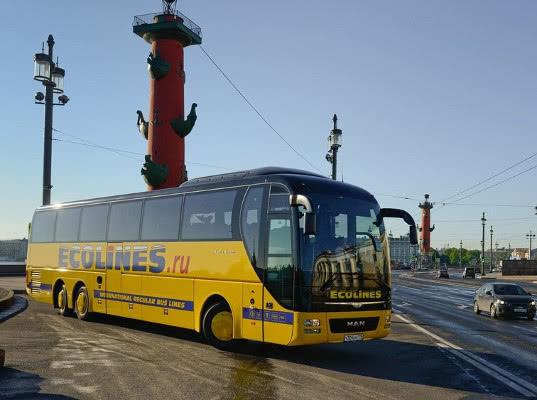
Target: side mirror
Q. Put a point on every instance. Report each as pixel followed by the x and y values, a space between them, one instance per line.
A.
pixel 529 294
pixel 413 234
pixel 402 214
pixel 310 220
pixel 488 293
pixel 310 224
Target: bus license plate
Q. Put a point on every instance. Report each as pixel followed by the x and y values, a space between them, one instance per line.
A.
pixel 520 310
pixel 353 338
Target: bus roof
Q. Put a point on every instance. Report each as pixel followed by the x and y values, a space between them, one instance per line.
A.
pixel 298 181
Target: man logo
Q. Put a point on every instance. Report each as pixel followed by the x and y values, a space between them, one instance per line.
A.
pixel 354 324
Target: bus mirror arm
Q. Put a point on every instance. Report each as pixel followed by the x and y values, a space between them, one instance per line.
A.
pixel 310 219
pixel 310 224
pixel 402 214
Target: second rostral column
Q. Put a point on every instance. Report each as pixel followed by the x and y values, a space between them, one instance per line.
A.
pixel 168 33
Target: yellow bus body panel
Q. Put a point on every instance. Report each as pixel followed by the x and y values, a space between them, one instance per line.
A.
pixel 191 274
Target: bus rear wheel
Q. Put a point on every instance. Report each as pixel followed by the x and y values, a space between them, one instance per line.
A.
pixel 82 303
pixel 61 299
pixel 218 326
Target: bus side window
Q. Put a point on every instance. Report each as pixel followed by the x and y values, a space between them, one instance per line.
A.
pixel 43 226
pixel 67 223
pixel 161 218
pixel 124 224
pixel 250 221
pixel 93 223
pixel 208 215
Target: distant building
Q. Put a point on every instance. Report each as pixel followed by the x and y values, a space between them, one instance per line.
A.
pixel 13 250
pixel 401 251
pixel 498 255
pixel 520 253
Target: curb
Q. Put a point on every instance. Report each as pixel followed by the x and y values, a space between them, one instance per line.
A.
pixel 20 303
pixel 7 300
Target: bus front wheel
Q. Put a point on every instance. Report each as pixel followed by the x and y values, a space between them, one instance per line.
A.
pixel 82 303
pixel 218 326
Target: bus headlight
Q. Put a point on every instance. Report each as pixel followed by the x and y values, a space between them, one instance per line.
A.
pixel 312 322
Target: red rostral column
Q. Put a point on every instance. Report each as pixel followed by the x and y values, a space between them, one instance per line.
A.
pixel 168 33
pixel 425 227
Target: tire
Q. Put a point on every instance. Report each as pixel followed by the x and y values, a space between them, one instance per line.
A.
pixel 61 299
pixel 476 308
pixel 493 311
pixel 217 326
pixel 531 316
pixel 81 303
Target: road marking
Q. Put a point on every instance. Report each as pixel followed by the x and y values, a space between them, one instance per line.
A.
pixel 519 385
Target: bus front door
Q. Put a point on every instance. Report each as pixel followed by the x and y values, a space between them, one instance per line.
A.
pixel 278 296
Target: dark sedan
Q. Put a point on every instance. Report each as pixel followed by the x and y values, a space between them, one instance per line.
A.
pixel 504 300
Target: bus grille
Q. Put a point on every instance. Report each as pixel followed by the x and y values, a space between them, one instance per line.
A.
pixel 347 325
pixel 35 283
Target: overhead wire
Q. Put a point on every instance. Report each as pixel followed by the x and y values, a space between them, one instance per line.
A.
pixel 498 183
pixel 120 152
pixel 488 179
pixel 254 108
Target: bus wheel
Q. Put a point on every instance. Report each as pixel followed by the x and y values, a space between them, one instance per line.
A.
pixel 61 298
pixel 82 303
pixel 218 326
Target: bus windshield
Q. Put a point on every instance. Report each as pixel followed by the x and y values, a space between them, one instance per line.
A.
pixel 345 262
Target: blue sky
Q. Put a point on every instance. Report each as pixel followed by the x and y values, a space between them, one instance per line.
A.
pixel 432 97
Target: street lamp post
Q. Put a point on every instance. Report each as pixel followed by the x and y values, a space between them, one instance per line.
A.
pixel 483 220
pixel 51 76
pixel 334 143
pixel 491 232
pixel 530 236
pixel 460 255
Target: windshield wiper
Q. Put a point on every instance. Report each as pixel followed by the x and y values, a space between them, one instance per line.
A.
pixel 331 278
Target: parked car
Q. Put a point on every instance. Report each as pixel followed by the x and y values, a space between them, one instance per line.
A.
pixel 469 272
pixel 504 300
pixel 443 273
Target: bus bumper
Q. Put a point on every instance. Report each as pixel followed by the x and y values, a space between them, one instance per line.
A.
pixel 316 328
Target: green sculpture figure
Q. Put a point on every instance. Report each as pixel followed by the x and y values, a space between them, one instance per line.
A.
pixel 158 68
pixel 143 125
pixel 154 174
pixel 183 128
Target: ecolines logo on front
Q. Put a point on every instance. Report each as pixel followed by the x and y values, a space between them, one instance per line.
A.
pixel 128 258
pixel 355 294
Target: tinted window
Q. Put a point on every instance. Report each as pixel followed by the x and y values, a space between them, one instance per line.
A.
pixel 43 226
pixel 279 202
pixel 93 223
pixel 250 220
pixel 124 221
pixel 279 277
pixel 161 218
pixel 208 216
pixel 67 223
pixel 509 290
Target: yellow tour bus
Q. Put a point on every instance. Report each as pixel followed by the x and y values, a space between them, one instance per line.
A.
pixel 273 255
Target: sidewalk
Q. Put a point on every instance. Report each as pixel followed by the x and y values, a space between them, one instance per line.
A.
pixel 15 283
pixel 519 278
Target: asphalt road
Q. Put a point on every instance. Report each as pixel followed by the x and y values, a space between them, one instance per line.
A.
pixel 438 349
